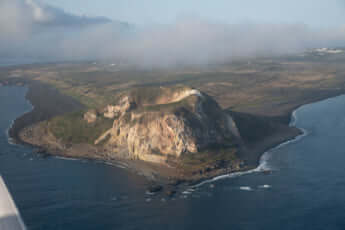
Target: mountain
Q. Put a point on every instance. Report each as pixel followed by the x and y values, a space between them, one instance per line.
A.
pixel 155 124
pixel 167 132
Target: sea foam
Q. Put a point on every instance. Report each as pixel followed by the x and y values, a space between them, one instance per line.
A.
pixel 265 186
pixel 67 158
pixel 264 160
pixel 246 188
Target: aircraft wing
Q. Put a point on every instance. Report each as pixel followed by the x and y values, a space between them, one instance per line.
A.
pixel 9 215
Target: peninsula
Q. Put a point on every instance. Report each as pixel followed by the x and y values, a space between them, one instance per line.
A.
pixel 170 125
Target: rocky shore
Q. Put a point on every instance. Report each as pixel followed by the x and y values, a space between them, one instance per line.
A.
pixel 28 129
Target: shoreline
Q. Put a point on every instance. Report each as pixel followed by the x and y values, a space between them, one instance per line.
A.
pixel 261 167
pixel 11 139
pixel 29 118
pixel 41 109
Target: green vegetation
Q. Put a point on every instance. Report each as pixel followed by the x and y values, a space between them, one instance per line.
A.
pixel 170 107
pixel 149 95
pixel 257 86
pixel 211 159
pixel 72 128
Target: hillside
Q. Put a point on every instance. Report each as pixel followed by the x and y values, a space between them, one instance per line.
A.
pixel 175 127
pixel 86 102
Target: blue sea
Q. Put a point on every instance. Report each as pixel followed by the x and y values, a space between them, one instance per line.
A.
pixel 305 191
pixel 17 61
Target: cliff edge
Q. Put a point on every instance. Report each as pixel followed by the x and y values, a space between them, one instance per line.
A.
pixel 177 132
pixel 158 124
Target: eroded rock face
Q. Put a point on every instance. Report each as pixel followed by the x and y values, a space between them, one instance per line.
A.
pixel 124 105
pixel 90 116
pixel 182 121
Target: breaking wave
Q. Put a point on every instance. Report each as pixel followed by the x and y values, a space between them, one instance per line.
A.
pixel 264 160
pixel 10 140
pixel 265 186
pixel 246 188
pixel 67 158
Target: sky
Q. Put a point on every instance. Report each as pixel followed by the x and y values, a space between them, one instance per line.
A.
pixel 152 33
pixel 316 13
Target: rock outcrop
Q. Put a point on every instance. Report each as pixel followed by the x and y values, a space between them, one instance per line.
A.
pixel 90 116
pixel 156 124
pixel 118 110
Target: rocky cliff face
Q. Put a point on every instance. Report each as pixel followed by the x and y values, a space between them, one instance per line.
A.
pixel 155 124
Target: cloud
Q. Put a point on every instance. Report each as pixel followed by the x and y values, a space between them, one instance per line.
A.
pixel 52 16
pixel 48 15
pixel 38 13
pixel 197 42
pixel 26 16
pixel 30 29
pixel 14 19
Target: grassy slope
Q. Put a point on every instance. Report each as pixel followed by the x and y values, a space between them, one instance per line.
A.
pixel 271 87
pixel 72 128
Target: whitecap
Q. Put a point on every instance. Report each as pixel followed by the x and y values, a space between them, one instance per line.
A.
pixel 10 140
pixel 108 163
pixel 265 186
pixel 246 188
pixel 120 166
pixel 188 191
pixel 150 193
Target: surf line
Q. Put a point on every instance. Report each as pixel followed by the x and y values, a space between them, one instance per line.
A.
pixel 263 163
pixel 10 140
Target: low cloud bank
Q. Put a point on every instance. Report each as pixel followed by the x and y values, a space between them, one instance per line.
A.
pixel 30 29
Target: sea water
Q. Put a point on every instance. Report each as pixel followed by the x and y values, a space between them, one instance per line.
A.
pixel 305 190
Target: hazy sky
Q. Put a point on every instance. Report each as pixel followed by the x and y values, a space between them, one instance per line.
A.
pixel 170 32
pixel 311 12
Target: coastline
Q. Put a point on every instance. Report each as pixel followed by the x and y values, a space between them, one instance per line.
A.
pixel 56 104
pixel 11 139
pixel 43 111
pixel 46 109
pixel 262 164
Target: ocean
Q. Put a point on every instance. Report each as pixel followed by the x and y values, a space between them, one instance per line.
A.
pixel 16 61
pixel 304 191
